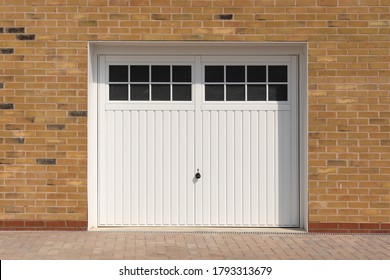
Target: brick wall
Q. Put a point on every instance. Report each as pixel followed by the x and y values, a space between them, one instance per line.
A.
pixel 43 97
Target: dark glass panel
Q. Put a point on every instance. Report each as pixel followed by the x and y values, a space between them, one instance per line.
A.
pixel 214 74
pixel 182 74
pixel 235 74
pixel 161 73
pixel 118 73
pixel 119 92
pixel 257 74
pixel 277 73
pixel 257 93
pixel 277 92
pixel 235 93
pixel 214 92
pixel 182 92
pixel 139 92
pixel 139 73
pixel 161 92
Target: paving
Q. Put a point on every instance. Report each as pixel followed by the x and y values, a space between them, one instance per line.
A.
pixel 117 245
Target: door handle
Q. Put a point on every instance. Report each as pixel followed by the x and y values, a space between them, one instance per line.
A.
pixel 198 176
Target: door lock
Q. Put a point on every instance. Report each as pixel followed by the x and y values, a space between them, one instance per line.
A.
pixel 197 175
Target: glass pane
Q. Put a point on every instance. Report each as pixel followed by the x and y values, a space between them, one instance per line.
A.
pixel 214 74
pixel 161 92
pixel 139 73
pixel 182 92
pixel 257 93
pixel 277 92
pixel 235 73
pixel 182 74
pixel 277 73
pixel 257 74
pixel 119 92
pixel 214 92
pixel 235 92
pixel 118 73
pixel 161 73
pixel 139 92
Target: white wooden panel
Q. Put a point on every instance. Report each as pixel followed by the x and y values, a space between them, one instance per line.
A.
pixel 166 167
pixel 190 156
pixel 276 172
pixel 159 168
pixel 142 163
pixel 126 168
pixel 118 165
pixel 150 168
pixel 246 168
pixel 206 183
pixel 182 169
pixel 110 211
pixel 254 168
pixel 174 168
pixel 134 166
pixel 238 152
pixel 222 175
pixel 270 163
pixel 263 175
pixel 230 159
pixel 285 194
pixel 214 168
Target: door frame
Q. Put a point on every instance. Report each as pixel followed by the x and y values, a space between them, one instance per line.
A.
pixel 96 49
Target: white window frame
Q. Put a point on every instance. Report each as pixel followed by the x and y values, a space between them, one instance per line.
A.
pixel 154 50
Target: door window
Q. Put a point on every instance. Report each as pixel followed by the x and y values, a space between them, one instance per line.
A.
pixel 150 83
pixel 246 82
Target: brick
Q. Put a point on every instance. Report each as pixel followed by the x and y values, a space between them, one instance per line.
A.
pixel 14 140
pixel 6 51
pixel 160 17
pixel 226 17
pixel 77 113
pixel 46 161
pixel 27 37
pixel 56 126
pixel 6 106
pixel 14 30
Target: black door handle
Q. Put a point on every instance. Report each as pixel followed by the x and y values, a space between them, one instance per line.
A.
pixel 197 175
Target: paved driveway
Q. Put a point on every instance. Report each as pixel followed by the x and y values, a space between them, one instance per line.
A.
pixel 190 245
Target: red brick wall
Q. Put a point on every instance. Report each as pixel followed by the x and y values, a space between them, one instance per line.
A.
pixel 43 96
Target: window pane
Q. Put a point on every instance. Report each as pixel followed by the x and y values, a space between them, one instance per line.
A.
pixel 235 92
pixel 139 92
pixel 139 73
pixel 182 92
pixel 257 93
pixel 277 73
pixel 118 73
pixel 119 92
pixel 182 74
pixel 277 92
pixel 161 92
pixel 214 74
pixel 161 73
pixel 214 92
pixel 257 74
pixel 235 73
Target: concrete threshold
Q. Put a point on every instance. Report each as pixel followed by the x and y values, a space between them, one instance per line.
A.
pixel 225 230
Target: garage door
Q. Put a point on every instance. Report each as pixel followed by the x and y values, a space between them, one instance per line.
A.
pixel 198 141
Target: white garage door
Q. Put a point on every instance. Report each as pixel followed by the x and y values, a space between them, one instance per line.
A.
pixel 164 121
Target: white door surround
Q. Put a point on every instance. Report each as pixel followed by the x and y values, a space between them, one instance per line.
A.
pixel 243 134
